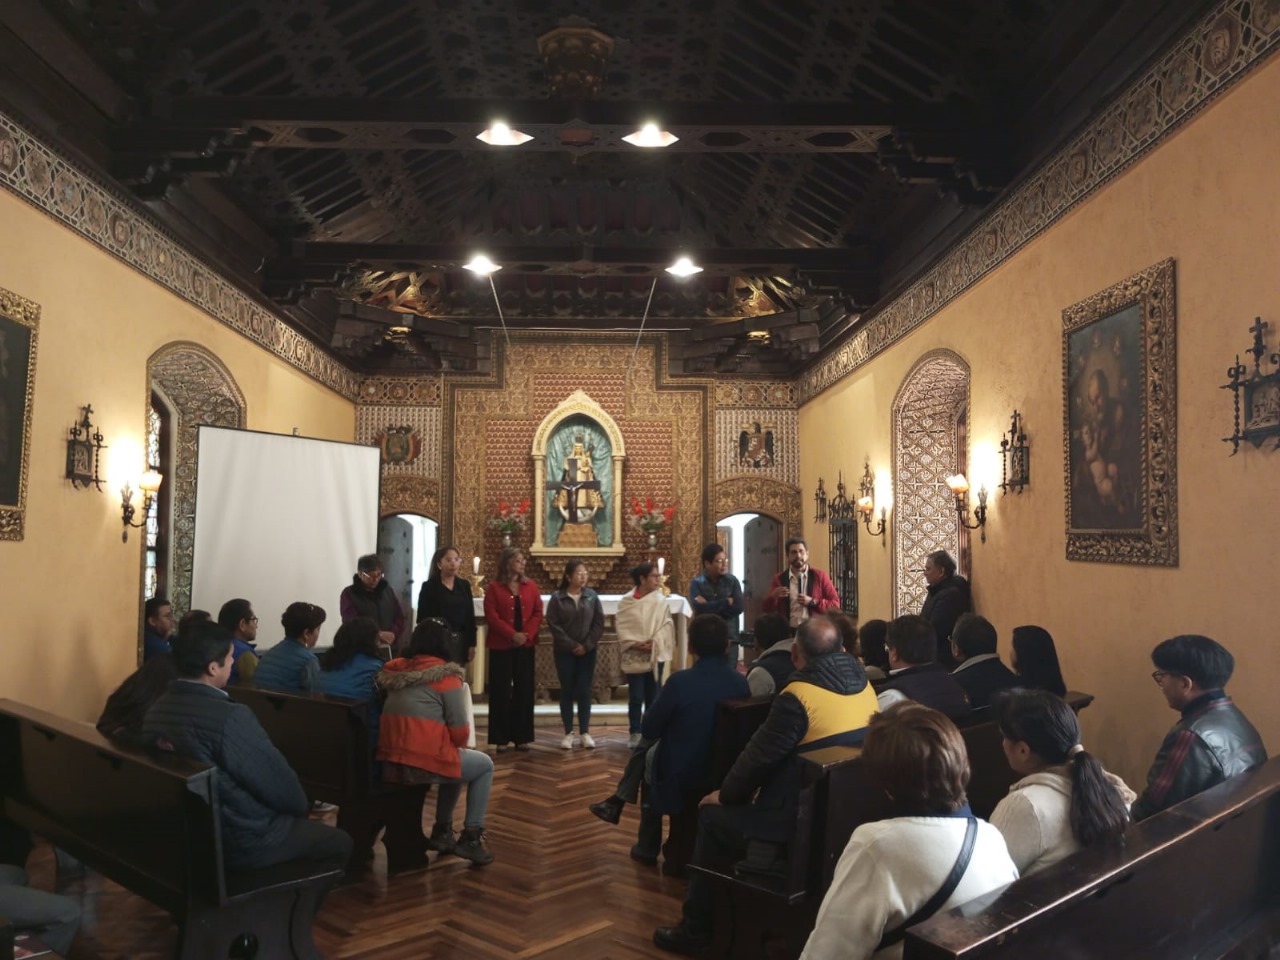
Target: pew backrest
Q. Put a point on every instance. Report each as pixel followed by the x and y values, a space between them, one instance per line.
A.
pixel 736 721
pixel 1194 881
pixel 149 822
pixel 325 739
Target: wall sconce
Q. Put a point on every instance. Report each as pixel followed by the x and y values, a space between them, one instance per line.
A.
pixel 1261 394
pixel 150 486
pixel 820 504
pixel 1015 457
pixel 83 449
pixel 867 502
pixel 960 489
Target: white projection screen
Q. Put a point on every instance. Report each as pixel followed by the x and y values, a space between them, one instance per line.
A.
pixel 278 519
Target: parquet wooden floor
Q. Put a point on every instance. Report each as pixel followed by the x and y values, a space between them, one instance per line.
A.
pixel 562 885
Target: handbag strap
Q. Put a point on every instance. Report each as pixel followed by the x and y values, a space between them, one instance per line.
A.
pixel 934 904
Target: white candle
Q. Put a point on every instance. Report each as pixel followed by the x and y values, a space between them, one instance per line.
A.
pixel 475 565
pixel 662 565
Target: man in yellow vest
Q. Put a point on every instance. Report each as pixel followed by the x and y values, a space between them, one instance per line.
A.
pixel 826 702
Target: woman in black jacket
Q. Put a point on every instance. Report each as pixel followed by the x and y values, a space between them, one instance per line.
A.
pixel 448 596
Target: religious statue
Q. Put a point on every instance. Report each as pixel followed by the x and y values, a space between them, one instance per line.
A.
pixel 579 485
pixel 578 497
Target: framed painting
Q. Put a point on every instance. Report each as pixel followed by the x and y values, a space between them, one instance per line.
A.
pixel 1120 432
pixel 18 324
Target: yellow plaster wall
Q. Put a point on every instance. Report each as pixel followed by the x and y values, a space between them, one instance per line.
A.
pixel 1210 199
pixel 71 588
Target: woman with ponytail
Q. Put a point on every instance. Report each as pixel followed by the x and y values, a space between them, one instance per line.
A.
pixel 1065 799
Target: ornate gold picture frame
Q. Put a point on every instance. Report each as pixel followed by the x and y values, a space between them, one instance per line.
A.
pixel 1120 422
pixel 19 321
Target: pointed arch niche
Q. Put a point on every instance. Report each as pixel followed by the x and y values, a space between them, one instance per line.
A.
pixel 198 389
pixel 930 425
pixel 553 442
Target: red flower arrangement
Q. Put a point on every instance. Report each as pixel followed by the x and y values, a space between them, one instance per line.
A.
pixel 509 519
pixel 649 517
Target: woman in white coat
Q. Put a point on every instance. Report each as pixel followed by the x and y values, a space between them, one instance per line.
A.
pixel 1065 800
pixel 931 855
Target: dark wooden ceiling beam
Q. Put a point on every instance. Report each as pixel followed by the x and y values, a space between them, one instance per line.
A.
pixel 641 261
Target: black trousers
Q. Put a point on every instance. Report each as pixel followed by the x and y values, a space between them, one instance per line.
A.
pixel 306 840
pixel 511 696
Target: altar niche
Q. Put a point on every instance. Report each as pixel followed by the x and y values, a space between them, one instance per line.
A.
pixel 577 455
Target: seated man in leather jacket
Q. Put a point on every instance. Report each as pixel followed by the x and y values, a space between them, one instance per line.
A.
pixel 1213 741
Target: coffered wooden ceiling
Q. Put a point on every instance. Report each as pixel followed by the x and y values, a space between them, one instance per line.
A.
pixel 323 152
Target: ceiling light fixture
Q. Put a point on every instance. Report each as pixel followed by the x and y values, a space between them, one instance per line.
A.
pixel 500 135
pixel 481 265
pixel 684 267
pixel 650 136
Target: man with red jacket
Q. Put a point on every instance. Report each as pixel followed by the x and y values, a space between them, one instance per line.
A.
pixel 800 591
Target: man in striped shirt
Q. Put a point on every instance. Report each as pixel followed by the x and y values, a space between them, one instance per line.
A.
pixel 1213 741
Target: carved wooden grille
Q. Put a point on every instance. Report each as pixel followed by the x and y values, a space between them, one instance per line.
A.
pixel 927 447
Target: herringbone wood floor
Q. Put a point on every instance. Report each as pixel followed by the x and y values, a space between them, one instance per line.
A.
pixel 562 886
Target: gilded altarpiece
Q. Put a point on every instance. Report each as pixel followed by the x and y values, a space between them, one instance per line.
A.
pixel 666 426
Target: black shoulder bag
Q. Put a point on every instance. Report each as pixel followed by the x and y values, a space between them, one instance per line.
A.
pixel 946 890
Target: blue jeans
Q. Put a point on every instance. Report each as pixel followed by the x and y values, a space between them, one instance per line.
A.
pixel 477 774
pixel 576 674
pixel 56 917
pixel 642 690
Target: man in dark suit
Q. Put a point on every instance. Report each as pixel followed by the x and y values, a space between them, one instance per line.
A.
pixel 913 674
pixel 948 597
pixel 973 641
pixel 674 755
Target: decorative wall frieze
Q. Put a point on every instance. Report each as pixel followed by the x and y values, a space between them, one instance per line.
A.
pixel 410 495
pixel 1233 39
pixel 782 501
pixel 755 393
pixel 426 390
pixel 107 217
pixel 757 442
pixel 423 421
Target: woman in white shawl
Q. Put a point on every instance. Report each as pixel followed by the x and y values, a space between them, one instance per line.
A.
pixel 646 638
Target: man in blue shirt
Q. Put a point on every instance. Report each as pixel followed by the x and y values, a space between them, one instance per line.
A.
pixel 718 591
pixel 155 637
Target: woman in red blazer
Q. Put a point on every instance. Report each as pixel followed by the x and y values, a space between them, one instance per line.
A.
pixel 513 611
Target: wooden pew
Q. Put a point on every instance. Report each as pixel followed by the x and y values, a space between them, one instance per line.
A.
pixel 772 915
pixel 1201 880
pixel 151 824
pixel 326 741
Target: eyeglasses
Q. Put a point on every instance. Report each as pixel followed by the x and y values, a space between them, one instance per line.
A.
pixel 1158 675
pixel 251 619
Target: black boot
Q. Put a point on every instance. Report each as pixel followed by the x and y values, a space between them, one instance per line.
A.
pixel 610 810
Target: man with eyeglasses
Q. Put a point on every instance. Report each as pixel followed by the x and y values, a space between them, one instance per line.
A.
pixel 238 618
pixel 369 595
pixel 1213 741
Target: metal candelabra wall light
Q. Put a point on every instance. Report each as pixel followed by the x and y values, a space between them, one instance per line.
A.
pixel 841 516
pixel 1260 393
pixel 960 490
pixel 1015 457
pixel 867 502
pixel 84 447
pixel 149 483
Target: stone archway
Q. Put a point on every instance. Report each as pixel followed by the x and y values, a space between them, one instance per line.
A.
pixel 929 416
pixel 200 390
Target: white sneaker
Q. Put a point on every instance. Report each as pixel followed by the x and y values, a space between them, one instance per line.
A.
pixel 567 742
pixel 588 742
pixel 633 741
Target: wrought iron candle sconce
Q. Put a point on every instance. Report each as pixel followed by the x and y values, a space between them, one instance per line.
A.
pixel 867 503
pixel 1257 392
pixel 960 489
pixel 820 504
pixel 150 486
pixel 1015 457
pixel 84 447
